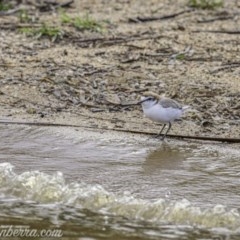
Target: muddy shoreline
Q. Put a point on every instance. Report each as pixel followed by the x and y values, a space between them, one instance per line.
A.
pixel 87 77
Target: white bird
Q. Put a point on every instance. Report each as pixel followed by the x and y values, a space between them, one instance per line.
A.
pixel 163 110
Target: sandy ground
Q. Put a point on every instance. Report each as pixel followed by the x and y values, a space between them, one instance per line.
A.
pixel 86 77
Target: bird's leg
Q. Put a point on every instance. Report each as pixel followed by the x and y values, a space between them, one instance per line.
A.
pixel 161 131
pixel 170 125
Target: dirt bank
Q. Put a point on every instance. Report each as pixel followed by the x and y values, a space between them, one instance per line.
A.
pixel 87 77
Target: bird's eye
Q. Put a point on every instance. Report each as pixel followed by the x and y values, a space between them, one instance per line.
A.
pixel 150 99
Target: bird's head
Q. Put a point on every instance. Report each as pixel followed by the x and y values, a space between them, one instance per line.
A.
pixel 148 99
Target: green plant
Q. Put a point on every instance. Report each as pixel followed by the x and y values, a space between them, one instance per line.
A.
pixel 205 4
pixel 23 16
pixel 43 31
pixel 5 6
pixel 66 18
pixel 180 56
pixel 48 31
pixel 26 30
pixel 82 23
pixel 86 23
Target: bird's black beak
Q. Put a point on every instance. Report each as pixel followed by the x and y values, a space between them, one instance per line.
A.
pixel 140 102
pixel 137 103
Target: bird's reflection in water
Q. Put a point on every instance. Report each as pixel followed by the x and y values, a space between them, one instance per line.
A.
pixel 166 157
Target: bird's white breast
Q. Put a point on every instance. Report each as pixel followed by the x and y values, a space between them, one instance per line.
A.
pixel 159 114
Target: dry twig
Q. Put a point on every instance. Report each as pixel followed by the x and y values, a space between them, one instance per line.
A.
pixel 218 31
pixel 224 67
pixel 148 19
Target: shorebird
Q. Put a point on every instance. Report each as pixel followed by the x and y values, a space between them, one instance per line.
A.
pixel 161 109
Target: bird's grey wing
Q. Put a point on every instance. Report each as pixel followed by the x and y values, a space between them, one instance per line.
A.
pixel 167 103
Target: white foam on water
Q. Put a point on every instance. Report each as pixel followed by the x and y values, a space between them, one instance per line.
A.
pixel 53 189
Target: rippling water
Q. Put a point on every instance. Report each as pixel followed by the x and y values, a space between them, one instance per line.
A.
pixel 89 185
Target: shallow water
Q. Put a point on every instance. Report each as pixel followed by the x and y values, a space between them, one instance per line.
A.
pixel 97 185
